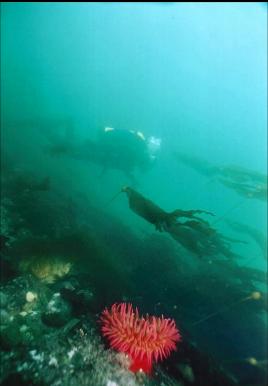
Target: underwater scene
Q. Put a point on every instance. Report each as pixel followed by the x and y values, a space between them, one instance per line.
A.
pixel 133 194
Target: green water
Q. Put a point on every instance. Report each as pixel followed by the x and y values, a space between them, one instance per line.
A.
pixel 194 78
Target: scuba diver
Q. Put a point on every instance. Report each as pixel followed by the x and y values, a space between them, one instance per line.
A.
pixel 125 150
pixel 120 149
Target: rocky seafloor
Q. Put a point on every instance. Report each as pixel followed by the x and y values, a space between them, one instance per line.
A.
pixel 58 274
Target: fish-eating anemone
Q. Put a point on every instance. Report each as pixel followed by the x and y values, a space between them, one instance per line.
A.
pixel 144 339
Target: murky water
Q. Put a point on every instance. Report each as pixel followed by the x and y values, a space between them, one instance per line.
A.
pixel 133 170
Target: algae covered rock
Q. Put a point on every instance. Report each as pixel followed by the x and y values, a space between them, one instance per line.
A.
pixel 46 268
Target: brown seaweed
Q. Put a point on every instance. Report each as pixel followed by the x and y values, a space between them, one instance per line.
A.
pixel 245 182
pixel 151 212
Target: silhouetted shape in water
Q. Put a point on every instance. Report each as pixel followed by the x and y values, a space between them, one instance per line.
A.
pixel 247 183
pixel 254 233
pixel 196 234
pixel 123 150
pixel 248 190
pixel 240 174
pixel 205 229
pixel 189 239
pixel 148 210
pixel 200 239
pixel 161 219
